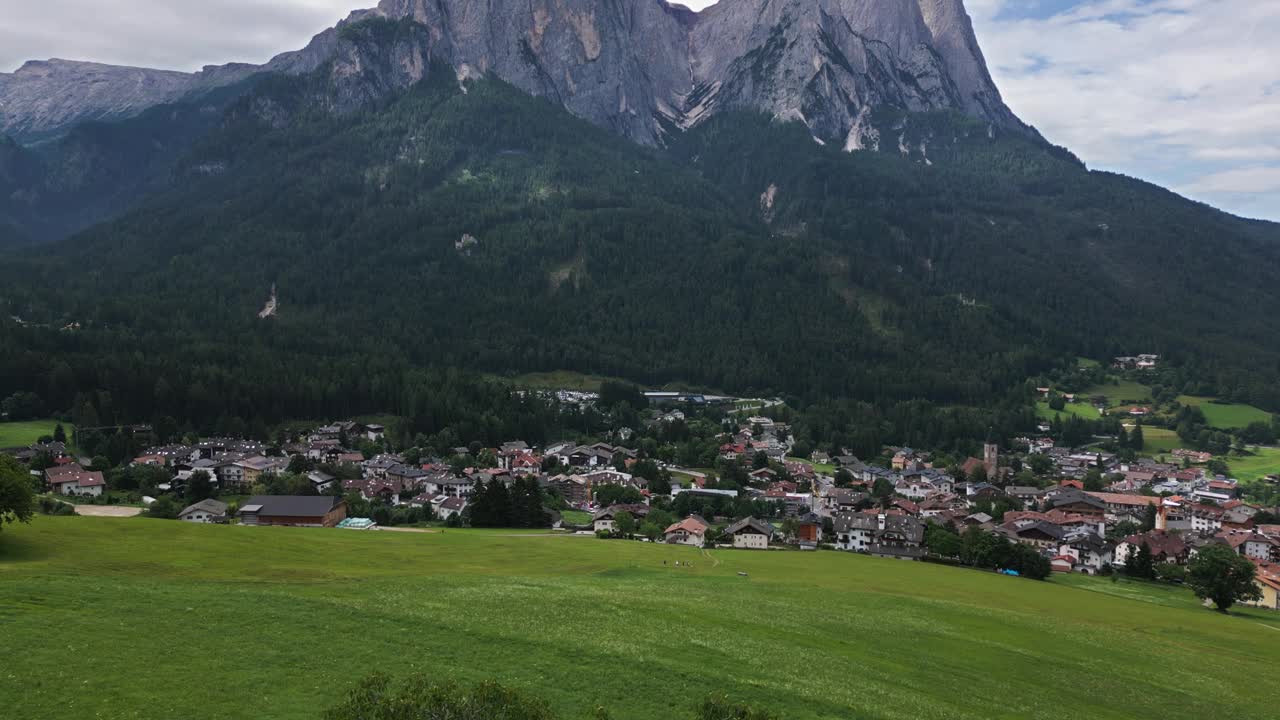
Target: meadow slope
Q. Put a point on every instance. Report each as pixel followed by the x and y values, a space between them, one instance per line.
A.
pixel 149 619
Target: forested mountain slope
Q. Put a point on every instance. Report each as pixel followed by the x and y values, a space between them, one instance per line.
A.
pixel 467 224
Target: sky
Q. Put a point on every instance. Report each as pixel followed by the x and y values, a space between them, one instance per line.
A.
pixel 1183 93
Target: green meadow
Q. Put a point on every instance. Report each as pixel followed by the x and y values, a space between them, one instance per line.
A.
pixel 1226 416
pixel 150 618
pixel 1079 409
pixel 22 434
pixel 1259 463
pixel 1160 440
pixel 1119 394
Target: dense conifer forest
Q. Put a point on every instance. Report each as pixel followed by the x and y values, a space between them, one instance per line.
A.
pixel 457 230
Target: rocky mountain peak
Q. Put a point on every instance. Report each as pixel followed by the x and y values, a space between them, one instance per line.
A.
pixel 643 68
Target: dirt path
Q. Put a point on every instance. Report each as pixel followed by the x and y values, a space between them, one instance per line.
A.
pixel 707 555
pixel 115 511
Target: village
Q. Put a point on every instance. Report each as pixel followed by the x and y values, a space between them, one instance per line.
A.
pixel 1045 508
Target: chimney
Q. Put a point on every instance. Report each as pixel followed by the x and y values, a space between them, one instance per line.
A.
pixel 881 517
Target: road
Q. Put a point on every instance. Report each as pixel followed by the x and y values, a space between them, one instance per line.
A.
pixel 115 511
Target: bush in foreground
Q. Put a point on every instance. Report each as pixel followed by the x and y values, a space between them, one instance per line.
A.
pixel 420 698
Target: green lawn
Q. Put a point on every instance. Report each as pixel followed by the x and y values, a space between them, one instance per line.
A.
pixel 575 517
pixel 1122 394
pixel 1159 440
pixel 819 468
pixel 1080 409
pixel 1226 416
pixel 23 434
pixel 1261 463
pixel 152 618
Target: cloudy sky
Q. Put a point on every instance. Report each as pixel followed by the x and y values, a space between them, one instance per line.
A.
pixel 1185 93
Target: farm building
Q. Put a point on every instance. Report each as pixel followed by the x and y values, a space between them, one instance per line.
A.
pixel 294 510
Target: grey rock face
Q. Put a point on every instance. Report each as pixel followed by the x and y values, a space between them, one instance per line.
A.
pixel 642 68
pixel 645 67
pixel 43 97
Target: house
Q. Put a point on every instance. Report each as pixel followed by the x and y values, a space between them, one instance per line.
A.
pixel 1252 545
pixel 1091 552
pixel 809 531
pixel 71 479
pixel 1072 500
pixel 293 510
pixel 750 534
pixel 1036 533
pixel 573 488
pixel 205 511
pixel 690 531
pixel 256 467
pixel 1268 579
pixel 1062 564
pixel 450 507
pixel 1164 546
pixel 606 520
pixel 1024 493
pixel 1120 507
pixel 321 481
pixel 881 534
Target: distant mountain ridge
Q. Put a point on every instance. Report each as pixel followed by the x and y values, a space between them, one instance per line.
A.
pixel 644 69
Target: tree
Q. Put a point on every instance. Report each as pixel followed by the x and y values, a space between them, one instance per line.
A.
pixel 59 433
pixel 790 527
pixel 164 508
pixel 626 524
pixel 1219 575
pixel 1136 441
pixel 883 491
pixel 1149 518
pixel 199 487
pixel 1093 480
pixel 651 530
pixel 1168 572
pixel 941 541
pixel 607 495
pixel 1139 564
pixel 17 503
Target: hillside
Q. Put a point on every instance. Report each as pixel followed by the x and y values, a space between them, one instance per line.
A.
pixel 97 607
pixel 950 272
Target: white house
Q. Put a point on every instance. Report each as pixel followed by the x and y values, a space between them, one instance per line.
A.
pixel 205 511
pixel 690 531
pixel 750 534
pixel 79 482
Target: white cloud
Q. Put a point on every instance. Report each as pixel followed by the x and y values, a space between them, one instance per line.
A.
pixel 1179 92
pixel 1258 179
pixel 170 34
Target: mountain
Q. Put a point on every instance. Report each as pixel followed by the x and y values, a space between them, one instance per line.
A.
pixel 643 69
pixel 424 196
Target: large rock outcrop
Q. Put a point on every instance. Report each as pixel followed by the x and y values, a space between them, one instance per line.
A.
pixel 643 68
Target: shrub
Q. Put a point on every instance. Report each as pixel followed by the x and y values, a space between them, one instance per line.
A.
pixel 420 698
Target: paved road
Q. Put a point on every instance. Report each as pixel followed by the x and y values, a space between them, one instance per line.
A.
pixel 117 511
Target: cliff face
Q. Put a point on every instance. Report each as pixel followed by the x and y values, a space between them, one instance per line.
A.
pixel 642 68
pixel 645 67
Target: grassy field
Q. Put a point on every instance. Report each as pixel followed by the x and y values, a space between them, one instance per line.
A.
pixel 1262 462
pixel 575 517
pixel 1157 440
pixel 151 618
pixel 1226 416
pixel 22 434
pixel 1121 394
pixel 1079 409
